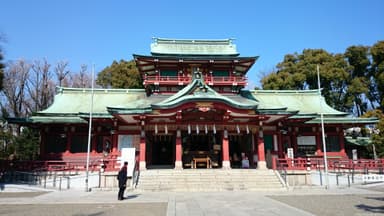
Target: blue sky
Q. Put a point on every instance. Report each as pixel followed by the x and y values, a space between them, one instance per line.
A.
pixel 98 32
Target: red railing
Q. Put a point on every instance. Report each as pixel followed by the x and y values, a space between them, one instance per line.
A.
pixel 108 164
pixel 333 164
pixel 170 80
pixel 184 80
pixel 232 80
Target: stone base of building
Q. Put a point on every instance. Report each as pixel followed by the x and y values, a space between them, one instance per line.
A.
pixel 178 165
pixel 143 165
pixel 261 165
pixel 226 165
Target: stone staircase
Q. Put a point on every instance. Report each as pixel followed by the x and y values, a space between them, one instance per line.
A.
pixel 209 180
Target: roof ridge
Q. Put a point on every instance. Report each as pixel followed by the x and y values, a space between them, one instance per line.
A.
pixel 61 89
pixel 307 91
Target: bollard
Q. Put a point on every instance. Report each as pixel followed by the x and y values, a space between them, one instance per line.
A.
pixel 337 179
pixel 60 183
pixel 349 183
pixel 54 180
pixel 321 178
pixel 68 183
pixel 353 175
pixel 45 180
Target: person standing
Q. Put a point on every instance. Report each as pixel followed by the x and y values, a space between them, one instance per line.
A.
pixel 122 177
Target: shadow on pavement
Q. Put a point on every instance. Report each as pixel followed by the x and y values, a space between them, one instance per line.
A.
pixel 372 209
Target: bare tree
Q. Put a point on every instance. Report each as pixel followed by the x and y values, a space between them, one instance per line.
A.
pixel 81 79
pixel 61 71
pixel 40 86
pixel 15 83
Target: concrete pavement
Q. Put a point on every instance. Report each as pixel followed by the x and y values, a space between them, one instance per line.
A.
pixel 357 200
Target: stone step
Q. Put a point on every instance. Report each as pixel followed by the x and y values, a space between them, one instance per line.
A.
pixel 208 180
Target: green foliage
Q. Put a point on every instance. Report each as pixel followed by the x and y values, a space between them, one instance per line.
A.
pixel 2 66
pixel 5 148
pixel 299 71
pixel 123 74
pixel 26 145
pixel 377 138
pixel 377 71
pixel 351 82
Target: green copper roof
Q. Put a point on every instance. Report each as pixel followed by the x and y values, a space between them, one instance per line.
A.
pixel 304 102
pixel 198 91
pixel 76 100
pixel 163 46
pixel 72 105
pixel 344 120
pixel 47 120
pixel 360 141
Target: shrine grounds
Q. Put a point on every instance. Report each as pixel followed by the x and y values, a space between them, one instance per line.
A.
pixel 359 200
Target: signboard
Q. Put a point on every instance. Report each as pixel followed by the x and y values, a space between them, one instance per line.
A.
pixel 128 154
pixel 306 140
pixel 125 141
pixel 290 153
pixel 354 154
pixel 373 178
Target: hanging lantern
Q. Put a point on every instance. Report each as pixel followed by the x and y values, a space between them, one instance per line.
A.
pixel 238 129
pixel 166 129
pixel 206 129
pixel 189 129
pixel 156 131
pixel 247 129
pixel 197 129
pixel 214 129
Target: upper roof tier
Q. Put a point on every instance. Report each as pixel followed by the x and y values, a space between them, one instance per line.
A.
pixel 219 47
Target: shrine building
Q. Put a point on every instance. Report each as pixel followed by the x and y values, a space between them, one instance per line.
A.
pixel 194 111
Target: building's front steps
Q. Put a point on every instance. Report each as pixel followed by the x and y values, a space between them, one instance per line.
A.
pixel 209 180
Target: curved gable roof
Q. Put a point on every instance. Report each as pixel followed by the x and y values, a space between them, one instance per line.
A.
pixel 305 102
pixel 77 100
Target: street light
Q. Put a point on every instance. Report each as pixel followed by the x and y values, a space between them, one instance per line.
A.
pixel 322 131
pixel 89 133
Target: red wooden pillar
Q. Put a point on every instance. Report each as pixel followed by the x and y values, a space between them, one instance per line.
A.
pixel 179 153
pixel 319 144
pixel 280 145
pixel 226 163
pixel 93 143
pixel 69 143
pixel 114 143
pixel 43 143
pixel 342 145
pixel 261 164
pixel 142 164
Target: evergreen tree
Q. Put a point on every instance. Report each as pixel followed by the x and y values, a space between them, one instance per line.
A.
pixel 122 74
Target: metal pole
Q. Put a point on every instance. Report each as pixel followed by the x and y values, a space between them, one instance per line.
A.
pixel 89 133
pixel 322 132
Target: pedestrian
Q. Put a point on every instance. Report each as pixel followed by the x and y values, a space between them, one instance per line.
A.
pixel 122 177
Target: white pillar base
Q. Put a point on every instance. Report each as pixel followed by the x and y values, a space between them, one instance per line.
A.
pixel 178 165
pixel 261 165
pixel 143 165
pixel 226 165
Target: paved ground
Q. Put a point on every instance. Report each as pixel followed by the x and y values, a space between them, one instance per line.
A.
pixel 365 200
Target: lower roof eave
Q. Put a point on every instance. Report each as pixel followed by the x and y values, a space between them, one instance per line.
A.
pixel 349 121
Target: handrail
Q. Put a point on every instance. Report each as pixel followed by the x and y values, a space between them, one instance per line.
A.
pixel 333 164
pixel 186 79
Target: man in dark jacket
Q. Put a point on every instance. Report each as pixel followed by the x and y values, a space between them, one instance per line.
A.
pixel 122 177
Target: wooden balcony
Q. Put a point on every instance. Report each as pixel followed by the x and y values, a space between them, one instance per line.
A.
pixel 185 80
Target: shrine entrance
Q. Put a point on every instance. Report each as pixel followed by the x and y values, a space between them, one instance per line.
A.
pixel 162 149
pixel 240 145
pixel 206 145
